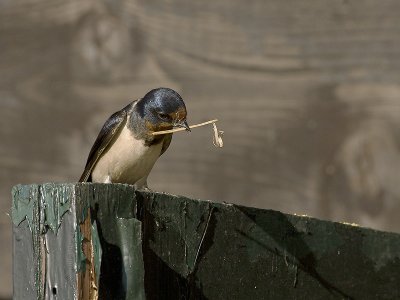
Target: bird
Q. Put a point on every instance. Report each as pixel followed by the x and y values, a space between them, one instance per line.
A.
pixel 125 150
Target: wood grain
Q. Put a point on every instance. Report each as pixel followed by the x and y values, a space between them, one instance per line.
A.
pixel 306 91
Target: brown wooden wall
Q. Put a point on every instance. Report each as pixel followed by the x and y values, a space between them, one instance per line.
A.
pixel 308 93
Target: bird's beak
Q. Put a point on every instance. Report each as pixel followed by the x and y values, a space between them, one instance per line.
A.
pixel 183 124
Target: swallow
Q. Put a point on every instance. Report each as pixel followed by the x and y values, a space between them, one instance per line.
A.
pixel 125 150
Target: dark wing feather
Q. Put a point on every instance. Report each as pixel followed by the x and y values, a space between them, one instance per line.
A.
pixel 166 142
pixel 106 135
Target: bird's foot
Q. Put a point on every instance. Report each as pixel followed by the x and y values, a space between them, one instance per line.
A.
pixel 145 189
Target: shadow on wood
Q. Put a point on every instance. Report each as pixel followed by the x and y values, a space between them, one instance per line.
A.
pixel 159 246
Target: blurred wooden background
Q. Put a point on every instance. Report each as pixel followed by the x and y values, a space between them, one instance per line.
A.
pixel 308 93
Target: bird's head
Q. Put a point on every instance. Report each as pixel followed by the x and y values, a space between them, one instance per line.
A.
pixel 162 109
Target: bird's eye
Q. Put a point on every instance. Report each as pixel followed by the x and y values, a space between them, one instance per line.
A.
pixel 164 117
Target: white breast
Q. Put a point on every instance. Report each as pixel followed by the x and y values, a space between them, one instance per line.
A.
pixel 127 160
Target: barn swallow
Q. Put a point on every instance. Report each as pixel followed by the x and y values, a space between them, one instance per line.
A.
pixel 125 150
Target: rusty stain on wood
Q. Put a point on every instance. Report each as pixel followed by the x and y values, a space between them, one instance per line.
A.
pixel 87 285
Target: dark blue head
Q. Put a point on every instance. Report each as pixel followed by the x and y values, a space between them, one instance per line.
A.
pixel 162 109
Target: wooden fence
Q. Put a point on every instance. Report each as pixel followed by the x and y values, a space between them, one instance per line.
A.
pixel 159 246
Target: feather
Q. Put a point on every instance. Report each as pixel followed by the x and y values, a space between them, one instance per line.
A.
pixel 107 134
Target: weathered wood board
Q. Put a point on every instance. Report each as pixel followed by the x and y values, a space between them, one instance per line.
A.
pixel 306 91
pixel 161 246
pixel 50 257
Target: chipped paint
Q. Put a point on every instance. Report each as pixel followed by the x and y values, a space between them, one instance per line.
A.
pixel 42 207
pixel 96 251
pixel 180 248
pixel 80 256
pixel 53 203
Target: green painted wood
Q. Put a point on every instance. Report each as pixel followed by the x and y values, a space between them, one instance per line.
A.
pixel 180 248
pixel 48 243
pixel 221 251
pixel 44 247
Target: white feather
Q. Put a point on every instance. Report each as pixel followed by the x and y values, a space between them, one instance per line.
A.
pixel 127 160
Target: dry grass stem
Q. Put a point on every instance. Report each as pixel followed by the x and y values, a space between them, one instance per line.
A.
pixel 183 129
pixel 217 137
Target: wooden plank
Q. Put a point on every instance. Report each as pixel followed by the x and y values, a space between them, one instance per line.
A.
pixel 309 88
pixel 169 247
pixel 87 285
pixel 204 250
pixel 58 249
pixel 45 246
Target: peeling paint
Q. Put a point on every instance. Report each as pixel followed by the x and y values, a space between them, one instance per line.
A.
pixel 97 251
pixel 81 258
pixel 22 205
pixel 56 203
pixel 53 203
pixel 42 206
pixel 179 248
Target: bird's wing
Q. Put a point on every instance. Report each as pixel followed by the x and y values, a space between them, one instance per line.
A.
pixel 166 143
pixel 107 134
